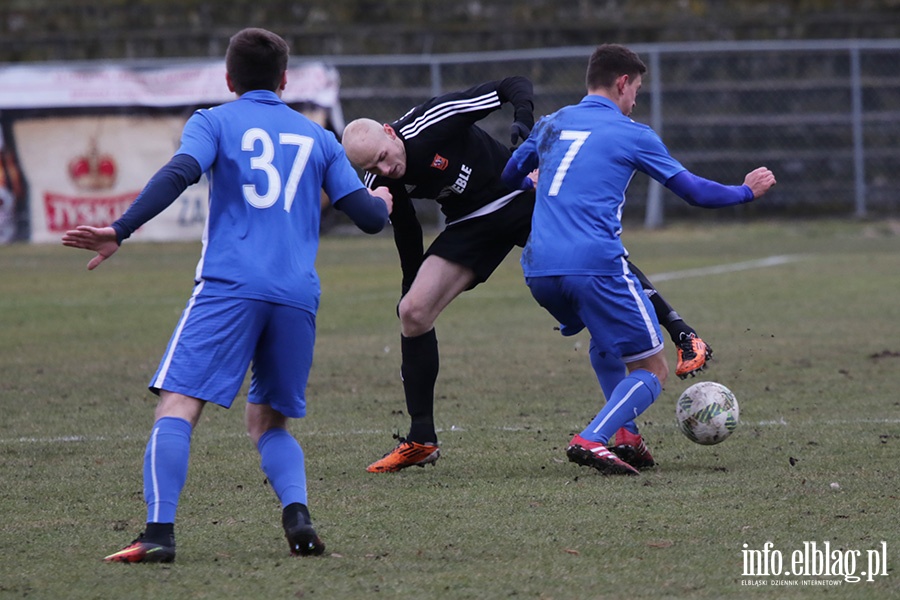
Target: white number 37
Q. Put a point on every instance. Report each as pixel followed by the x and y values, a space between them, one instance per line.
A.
pixel 263 162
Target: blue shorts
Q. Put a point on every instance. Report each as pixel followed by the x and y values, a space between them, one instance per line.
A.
pixel 615 310
pixel 219 337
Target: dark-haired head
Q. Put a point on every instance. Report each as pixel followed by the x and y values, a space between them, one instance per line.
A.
pixel 256 59
pixel 609 62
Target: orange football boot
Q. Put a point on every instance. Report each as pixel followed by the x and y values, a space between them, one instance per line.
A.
pixel 692 355
pixel 406 454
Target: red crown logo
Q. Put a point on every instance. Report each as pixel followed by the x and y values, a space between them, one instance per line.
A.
pixel 93 171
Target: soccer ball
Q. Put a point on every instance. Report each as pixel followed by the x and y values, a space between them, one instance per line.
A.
pixel 707 413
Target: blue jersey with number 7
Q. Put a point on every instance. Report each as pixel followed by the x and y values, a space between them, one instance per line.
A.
pixel 266 165
pixel 587 154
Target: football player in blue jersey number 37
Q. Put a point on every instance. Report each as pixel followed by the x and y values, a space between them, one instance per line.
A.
pixel 574 262
pixel 256 292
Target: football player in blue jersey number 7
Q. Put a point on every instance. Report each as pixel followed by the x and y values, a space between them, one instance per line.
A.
pixel 574 261
pixel 438 151
pixel 256 290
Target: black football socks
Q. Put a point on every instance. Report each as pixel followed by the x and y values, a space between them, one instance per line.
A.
pixel 419 370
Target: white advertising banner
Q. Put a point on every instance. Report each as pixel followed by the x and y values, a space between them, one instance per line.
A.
pixel 141 84
pixel 88 170
pixel 82 140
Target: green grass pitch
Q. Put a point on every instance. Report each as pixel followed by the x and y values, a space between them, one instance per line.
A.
pixel 809 344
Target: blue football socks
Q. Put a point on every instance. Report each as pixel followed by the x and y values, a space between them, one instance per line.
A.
pixel 610 372
pixel 610 369
pixel 165 467
pixel 281 459
pixel 632 396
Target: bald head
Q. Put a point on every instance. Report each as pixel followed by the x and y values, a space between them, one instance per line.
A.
pixel 374 148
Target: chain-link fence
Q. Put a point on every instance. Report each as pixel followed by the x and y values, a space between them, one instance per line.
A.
pixel 824 116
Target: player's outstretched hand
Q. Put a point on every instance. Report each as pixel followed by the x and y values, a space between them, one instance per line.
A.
pixel 101 240
pixel 759 181
pixel 518 130
pixel 385 194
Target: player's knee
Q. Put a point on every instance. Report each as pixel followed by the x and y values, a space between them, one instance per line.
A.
pixel 663 375
pixel 260 418
pixel 172 404
pixel 656 364
pixel 415 318
pixel 660 368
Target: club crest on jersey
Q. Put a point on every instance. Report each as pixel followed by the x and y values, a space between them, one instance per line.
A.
pixel 439 162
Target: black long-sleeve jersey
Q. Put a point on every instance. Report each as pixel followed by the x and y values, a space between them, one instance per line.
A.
pixel 450 159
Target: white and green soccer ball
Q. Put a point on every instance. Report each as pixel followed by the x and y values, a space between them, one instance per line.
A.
pixel 707 413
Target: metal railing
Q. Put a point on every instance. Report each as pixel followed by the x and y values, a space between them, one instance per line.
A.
pixel 823 115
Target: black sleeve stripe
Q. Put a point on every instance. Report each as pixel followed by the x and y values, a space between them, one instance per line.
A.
pixel 445 110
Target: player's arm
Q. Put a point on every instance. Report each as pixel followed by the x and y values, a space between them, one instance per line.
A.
pixel 519 92
pixel 406 227
pixel 653 158
pixel 524 161
pixel 699 191
pixel 163 188
pixel 515 177
pixel 407 236
pixel 369 211
pixel 445 116
pixel 196 154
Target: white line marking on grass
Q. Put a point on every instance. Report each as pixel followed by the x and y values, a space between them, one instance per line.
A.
pixel 62 439
pixel 856 421
pixel 780 422
pixel 771 261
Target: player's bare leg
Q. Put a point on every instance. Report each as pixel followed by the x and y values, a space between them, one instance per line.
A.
pixel 437 283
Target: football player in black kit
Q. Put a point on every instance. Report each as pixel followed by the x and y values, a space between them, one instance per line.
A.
pixel 437 151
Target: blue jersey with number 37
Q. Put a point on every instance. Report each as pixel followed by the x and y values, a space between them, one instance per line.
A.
pixel 267 165
pixel 587 154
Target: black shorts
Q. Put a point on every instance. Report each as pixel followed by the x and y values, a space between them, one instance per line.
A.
pixel 481 243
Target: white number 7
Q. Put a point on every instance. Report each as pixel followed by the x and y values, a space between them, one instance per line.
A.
pixel 578 138
pixel 304 147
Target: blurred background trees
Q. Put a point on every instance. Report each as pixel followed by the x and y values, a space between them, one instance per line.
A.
pixel 45 30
